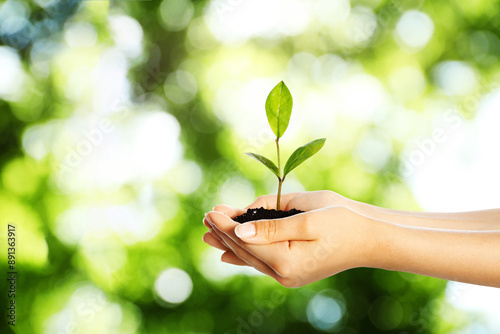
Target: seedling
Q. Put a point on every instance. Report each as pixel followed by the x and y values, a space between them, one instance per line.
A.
pixel 279 105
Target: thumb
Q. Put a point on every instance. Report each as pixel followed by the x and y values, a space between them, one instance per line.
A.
pixel 297 227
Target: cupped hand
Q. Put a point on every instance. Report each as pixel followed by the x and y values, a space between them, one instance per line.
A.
pixel 305 201
pixel 295 250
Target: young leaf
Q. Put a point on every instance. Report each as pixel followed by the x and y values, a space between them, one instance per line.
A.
pixel 266 162
pixel 279 108
pixel 302 154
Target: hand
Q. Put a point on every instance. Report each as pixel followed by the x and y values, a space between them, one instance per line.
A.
pixel 335 234
pixel 296 250
pixel 305 201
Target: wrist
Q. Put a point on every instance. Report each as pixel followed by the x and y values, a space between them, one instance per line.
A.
pixel 368 242
pixel 364 238
pixel 383 241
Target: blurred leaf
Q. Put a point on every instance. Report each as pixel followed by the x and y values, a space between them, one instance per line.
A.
pixel 279 105
pixel 302 154
pixel 266 162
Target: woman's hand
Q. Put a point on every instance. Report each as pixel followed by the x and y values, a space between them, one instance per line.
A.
pixel 335 234
pixel 305 201
pixel 296 250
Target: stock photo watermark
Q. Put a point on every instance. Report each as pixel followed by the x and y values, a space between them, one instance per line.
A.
pixel 224 7
pixel 427 146
pixel 95 137
pixel 263 310
pixel 11 274
pixel 85 312
pixel 453 120
pixel 364 35
pixel 422 319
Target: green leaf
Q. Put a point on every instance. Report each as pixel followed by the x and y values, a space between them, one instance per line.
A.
pixel 279 105
pixel 266 162
pixel 302 154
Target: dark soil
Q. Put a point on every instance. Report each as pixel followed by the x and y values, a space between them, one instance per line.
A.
pixel 261 213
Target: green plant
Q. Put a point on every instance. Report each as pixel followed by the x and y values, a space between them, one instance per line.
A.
pixel 279 105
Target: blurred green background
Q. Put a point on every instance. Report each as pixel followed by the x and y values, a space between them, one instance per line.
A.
pixel 123 122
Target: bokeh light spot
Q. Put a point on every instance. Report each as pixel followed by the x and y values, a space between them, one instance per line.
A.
pixel 374 149
pixel 199 36
pixel 12 76
pixel 185 177
pixel 408 83
pixel 175 15
pixel 414 29
pixel 174 285
pixel 324 312
pixel 214 269
pixel 20 177
pixel 386 313
pixel 484 46
pixel 127 34
pixel 237 191
pixel 455 77
pixel 234 22
pixel 331 13
pixel 180 87
pixel 80 34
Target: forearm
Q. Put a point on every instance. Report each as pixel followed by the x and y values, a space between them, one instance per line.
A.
pixel 485 220
pixel 466 256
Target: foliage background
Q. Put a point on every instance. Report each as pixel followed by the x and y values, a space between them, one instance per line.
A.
pixel 122 122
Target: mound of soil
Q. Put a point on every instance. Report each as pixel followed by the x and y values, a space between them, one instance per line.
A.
pixel 261 213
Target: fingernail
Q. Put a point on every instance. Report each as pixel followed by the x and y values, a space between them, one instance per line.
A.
pixel 245 230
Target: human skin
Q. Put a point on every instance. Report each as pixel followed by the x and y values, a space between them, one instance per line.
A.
pixel 336 234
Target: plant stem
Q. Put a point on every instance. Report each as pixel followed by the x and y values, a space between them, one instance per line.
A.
pixel 279 194
pixel 278 200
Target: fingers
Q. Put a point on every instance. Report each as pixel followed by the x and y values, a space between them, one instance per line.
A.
pixel 248 258
pixel 297 227
pixel 228 256
pixel 214 240
pixel 211 240
pixel 272 259
pixel 229 210
pixel 206 223
pixel 269 201
pixel 231 258
pixel 218 239
pixel 224 225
